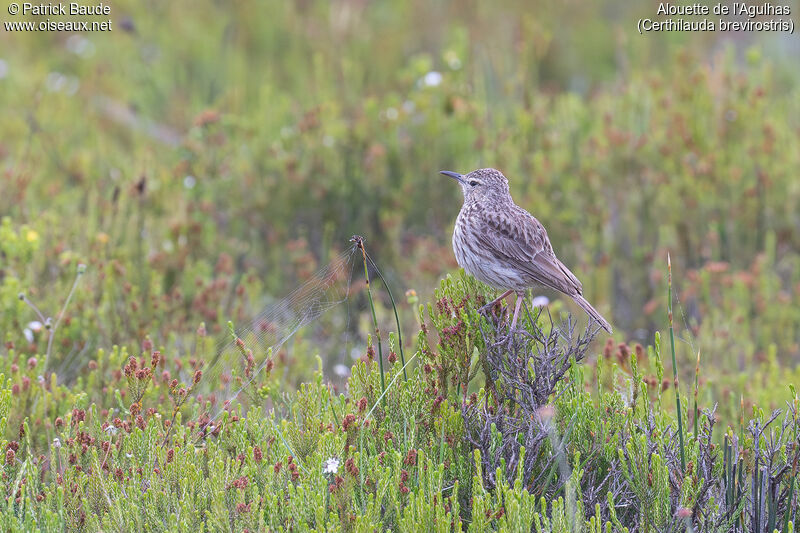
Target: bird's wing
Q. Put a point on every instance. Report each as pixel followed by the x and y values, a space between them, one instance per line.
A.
pixel 517 237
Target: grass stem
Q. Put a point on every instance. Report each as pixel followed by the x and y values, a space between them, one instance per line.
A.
pixel 674 363
pixel 396 316
pixel 360 243
pixel 696 387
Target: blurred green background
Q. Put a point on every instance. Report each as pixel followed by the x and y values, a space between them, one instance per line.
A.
pixel 205 156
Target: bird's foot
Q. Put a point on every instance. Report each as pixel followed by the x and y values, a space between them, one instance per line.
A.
pixel 486 309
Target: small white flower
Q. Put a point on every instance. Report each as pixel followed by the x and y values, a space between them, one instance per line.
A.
pixel 341 370
pixel 112 429
pixel 56 443
pixel 540 301
pixel 432 79
pixel 331 466
pixel 31 328
pixel 128 455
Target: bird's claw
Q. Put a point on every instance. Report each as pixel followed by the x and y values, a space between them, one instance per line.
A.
pixel 483 310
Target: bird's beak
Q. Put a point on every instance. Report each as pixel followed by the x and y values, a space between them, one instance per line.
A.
pixel 455 175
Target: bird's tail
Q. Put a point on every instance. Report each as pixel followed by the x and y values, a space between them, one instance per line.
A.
pixel 597 317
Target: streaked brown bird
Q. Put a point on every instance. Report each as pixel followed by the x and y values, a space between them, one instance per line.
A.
pixel 502 245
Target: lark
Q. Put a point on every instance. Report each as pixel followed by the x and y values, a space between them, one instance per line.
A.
pixel 504 246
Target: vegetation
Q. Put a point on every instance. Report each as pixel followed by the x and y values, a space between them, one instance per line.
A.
pixel 532 448
pixel 184 171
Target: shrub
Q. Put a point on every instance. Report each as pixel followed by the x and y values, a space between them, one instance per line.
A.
pixel 529 445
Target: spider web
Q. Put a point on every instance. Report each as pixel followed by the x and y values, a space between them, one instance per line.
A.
pixel 245 356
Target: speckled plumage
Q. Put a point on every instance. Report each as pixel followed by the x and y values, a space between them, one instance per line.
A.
pixel 504 246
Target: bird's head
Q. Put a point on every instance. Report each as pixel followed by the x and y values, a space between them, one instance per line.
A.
pixel 481 183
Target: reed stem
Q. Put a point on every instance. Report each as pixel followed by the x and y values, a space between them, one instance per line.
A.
pixel 696 387
pixel 396 317
pixel 360 243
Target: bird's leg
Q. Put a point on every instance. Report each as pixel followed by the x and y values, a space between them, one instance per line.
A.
pixel 494 302
pixel 520 297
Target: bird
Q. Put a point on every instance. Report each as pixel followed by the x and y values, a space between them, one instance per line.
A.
pixel 502 245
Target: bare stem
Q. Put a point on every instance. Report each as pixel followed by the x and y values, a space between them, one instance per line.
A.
pixel 696 387
pixel 360 243
pixel 36 310
pixel 674 362
pixel 396 316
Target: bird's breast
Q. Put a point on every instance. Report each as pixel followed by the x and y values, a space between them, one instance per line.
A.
pixel 479 261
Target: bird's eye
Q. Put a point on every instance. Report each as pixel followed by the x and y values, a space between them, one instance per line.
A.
pixel 473 182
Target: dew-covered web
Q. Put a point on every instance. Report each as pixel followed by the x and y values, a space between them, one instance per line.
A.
pixel 243 359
